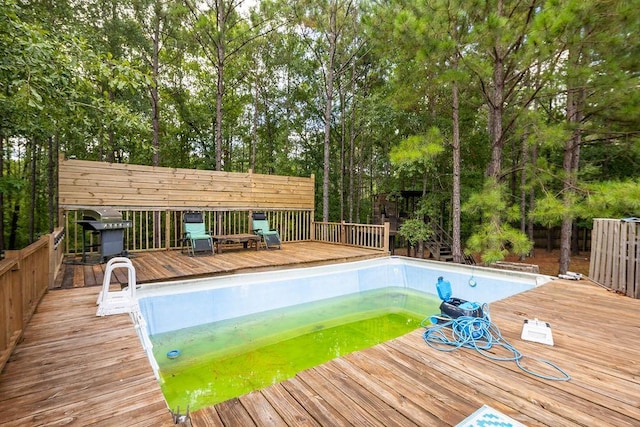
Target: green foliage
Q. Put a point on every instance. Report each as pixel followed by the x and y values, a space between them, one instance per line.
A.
pixel 549 211
pixel 494 241
pixel 10 185
pixel 615 160
pixel 612 199
pixel 415 231
pixel 418 149
pixel 494 238
pixel 487 203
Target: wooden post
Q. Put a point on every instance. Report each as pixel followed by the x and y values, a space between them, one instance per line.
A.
pixel 51 246
pixel 385 236
pixel 167 230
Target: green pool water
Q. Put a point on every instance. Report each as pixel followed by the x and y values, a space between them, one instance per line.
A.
pixel 226 359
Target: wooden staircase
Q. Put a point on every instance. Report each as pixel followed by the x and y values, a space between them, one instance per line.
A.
pixel 440 246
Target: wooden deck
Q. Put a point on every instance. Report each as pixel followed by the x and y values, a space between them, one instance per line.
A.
pixel 174 265
pixel 403 382
pixel 75 368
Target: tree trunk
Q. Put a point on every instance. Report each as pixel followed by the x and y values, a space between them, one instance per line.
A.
pixel 13 229
pixel 155 102
pixel 496 103
pixel 359 185
pixel 254 128
pixel 352 145
pixel 327 111
pixel 108 153
pixel 343 145
pixel 576 98
pixel 532 200
pixel 523 187
pixel 220 52
pixel 456 248
pixel 569 164
pixel 352 140
pixel 51 186
pixel 496 108
pixel 155 105
pixel 218 127
pixel 34 186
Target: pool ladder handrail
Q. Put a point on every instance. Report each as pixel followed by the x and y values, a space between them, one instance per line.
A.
pixel 117 302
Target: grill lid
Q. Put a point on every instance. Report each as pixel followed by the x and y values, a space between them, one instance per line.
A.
pixel 105 215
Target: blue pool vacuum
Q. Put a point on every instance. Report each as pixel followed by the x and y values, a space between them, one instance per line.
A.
pixel 453 308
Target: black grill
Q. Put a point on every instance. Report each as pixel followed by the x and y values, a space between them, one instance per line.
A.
pixel 109 226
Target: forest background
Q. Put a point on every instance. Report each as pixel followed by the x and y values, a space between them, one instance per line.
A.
pixel 505 114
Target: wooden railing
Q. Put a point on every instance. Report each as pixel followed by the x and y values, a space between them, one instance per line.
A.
pixel 25 276
pixel 162 230
pixel 56 253
pixel 615 255
pixel 362 235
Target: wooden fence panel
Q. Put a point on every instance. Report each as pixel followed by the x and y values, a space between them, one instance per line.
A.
pixel 85 184
pixel 615 255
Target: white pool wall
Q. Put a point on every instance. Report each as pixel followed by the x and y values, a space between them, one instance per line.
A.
pixel 171 306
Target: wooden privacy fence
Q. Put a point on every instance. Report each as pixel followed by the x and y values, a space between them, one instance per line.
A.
pixel 86 184
pixel 615 255
pixel 154 198
pixel 25 276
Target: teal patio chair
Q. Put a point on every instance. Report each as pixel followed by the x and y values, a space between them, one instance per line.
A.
pixel 195 237
pixel 260 226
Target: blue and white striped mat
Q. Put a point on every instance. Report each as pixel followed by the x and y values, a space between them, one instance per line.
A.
pixel 486 416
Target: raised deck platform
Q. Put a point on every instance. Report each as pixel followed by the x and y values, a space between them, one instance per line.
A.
pixel 75 368
pixel 174 265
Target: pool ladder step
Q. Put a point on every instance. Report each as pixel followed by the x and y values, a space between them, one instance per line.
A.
pixel 122 301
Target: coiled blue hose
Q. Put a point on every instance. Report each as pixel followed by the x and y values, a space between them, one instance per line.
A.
pixel 480 334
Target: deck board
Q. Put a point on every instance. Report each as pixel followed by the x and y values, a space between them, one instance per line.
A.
pixel 362 397
pixel 289 409
pixel 75 368
pixel 172 265
pixel 72 367
pixel 259 408
pixel 429 387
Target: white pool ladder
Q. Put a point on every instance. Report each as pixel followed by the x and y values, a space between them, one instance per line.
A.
pixel 117 302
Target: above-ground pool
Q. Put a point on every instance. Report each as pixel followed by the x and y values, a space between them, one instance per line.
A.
pixel 213 339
